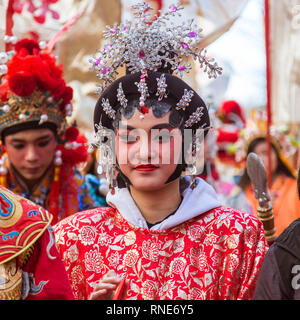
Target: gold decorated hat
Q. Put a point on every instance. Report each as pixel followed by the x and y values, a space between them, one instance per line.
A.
pixel 281 137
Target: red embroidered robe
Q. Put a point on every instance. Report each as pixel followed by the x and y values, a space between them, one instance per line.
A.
pixel 217 255
pixel 30 265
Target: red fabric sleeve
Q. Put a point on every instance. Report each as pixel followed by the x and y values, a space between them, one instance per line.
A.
pixel 45 273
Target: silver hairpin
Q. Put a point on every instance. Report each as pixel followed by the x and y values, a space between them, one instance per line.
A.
pixel 161 87
pixel 111 113
pixel 143 88
pixel 185 100
pixel 195 117
pixel 121 96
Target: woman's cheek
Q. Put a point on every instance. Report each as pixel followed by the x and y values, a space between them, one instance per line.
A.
pixel 126 153
pixel 133 154
pixel 121 149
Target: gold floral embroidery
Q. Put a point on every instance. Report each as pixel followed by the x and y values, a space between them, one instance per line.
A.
pixel 215 256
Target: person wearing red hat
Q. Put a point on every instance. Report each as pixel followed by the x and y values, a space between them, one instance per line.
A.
pixel 39 150
pixel 283 182
pixel 231 121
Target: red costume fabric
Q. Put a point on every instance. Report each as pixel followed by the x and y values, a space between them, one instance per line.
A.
pixel 217 255
pixel 27 238
pixel 21 224
pixel 45 273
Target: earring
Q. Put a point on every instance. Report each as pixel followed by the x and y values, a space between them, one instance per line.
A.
pixel 191 168
pixel 106 161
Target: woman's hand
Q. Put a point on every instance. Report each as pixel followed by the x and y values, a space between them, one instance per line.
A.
pixel 106 287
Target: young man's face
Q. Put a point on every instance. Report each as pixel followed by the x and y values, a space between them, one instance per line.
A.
pixel 31 152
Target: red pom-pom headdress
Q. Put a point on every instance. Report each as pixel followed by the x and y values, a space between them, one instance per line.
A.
pixel 33 90
pixel 232 120
pixel 231 112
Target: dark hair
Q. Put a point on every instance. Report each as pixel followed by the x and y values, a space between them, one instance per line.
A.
pixel 32 125
pixel 281 168
pixel 298 183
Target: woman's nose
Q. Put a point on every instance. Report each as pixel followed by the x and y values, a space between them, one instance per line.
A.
pixel 147 152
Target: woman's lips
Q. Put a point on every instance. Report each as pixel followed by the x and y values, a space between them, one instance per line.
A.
pixel 146 167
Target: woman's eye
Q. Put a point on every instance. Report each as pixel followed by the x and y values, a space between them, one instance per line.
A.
pixel 128 138
pixel 165 137
pixel 43 143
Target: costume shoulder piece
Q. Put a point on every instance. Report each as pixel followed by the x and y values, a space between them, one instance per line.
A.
pixel 21 224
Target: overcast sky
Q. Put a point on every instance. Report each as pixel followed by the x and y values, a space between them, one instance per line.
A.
pixel 241 52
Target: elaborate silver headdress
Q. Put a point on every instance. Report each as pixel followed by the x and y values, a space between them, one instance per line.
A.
pixel 146 45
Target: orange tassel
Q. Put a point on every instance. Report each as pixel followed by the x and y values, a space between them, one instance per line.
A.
pixel 54 195
pixel 3 181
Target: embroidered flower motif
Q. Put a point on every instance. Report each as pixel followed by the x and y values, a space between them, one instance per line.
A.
pixel 216 259
pixel 166 290
pixel 131 258
pixel 250 237
pixel 178 245
pixel 114 259
pixel 94 261
pixel 72 253
pixel 87 235
pixel 150 250
pixel 231 242
pixel 118 219
pixel 104 239
pixel 177 265
pixel 210 239
pixel 232 262
pixel 162 265
pixel 76 277
pixel 196 232
pixel 198 258
pixel 129 238
pixel 149 290
pixel 197 294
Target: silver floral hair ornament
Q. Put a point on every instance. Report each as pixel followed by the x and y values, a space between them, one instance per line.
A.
pixel 161 87
pixel 121 96
pixel 111 113
pixel 185 100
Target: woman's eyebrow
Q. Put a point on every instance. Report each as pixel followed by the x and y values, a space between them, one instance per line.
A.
pixel 157 126
pixel 126 127
pixel 163 126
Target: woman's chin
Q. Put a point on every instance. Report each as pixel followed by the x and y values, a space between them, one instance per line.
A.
pixel 147 184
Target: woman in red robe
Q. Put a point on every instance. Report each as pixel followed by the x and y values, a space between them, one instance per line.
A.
pixel 166 234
